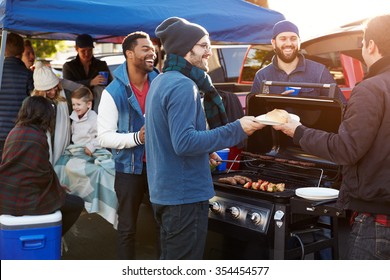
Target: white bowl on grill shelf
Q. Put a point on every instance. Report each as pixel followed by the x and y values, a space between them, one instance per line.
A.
pixel 317 193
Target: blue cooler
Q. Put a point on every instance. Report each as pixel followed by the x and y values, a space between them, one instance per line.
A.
pixel 36 237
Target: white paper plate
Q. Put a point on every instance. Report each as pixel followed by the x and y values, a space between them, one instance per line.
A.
pixel 263 119
pixel 317 193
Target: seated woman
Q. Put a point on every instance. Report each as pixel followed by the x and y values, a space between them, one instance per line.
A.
pixel 29 184
pixel 48 85
pixel 86 167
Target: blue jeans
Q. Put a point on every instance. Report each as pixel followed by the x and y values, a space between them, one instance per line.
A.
pixel 183 230
pixel 130 190
pixel 368 240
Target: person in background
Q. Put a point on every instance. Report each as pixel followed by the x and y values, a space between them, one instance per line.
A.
pixel 84 120
pixel 29 185
pixel 48 85
pixel 121 128
pixel 288 65
pixel 361 147
pixel 85 68
pixel 179 148
pixel 16 85
pixel 28 56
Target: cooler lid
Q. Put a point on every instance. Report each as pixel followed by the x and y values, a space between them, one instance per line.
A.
pixel 8 220
pixel 324 113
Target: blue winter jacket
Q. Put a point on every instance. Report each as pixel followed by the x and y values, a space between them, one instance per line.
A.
pixel 130 119
pixel 178 143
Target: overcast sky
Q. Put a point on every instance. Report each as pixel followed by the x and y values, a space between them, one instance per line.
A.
pixel 315 17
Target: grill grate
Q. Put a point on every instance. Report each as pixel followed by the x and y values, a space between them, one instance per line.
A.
pixel 293 176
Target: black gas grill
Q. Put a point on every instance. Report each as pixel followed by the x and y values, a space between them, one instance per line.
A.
pixel 272 220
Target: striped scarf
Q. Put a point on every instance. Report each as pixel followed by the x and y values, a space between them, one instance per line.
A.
pixel 213 105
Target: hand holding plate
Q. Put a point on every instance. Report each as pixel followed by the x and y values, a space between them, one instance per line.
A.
pixel 250 125
pixel 289 127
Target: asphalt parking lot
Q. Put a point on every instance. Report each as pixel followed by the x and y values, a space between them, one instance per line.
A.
pixel 93 238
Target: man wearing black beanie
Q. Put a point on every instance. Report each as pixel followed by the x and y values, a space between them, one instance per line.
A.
pixel 179 148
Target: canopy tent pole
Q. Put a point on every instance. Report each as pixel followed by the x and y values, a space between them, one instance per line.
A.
pixel 2 53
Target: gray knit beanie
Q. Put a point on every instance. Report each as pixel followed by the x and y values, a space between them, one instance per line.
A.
pixel 178 35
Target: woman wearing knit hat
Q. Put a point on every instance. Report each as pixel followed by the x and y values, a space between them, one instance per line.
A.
pixel 48 85
pixel 179 148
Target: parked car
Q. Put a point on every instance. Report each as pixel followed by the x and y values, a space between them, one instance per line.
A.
pixel 340 50
pixel 113 61
pixel 226 61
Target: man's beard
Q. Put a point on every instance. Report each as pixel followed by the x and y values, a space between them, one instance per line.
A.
pixel 147 68
pixel 195 61
pixel 284 58
pixel 142 65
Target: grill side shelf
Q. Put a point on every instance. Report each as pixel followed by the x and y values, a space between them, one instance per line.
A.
pixel 304 206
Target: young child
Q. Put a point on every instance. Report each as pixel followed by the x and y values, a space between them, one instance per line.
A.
pixel 85 167
pixel 84 120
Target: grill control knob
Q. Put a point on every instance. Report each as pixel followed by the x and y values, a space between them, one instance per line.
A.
pixel 215 207
pixel 256 218
pixel 234 211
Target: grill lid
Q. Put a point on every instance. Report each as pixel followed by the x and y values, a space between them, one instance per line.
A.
pixel 316 112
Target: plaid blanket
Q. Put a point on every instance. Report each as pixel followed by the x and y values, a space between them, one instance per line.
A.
pixel 91 178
